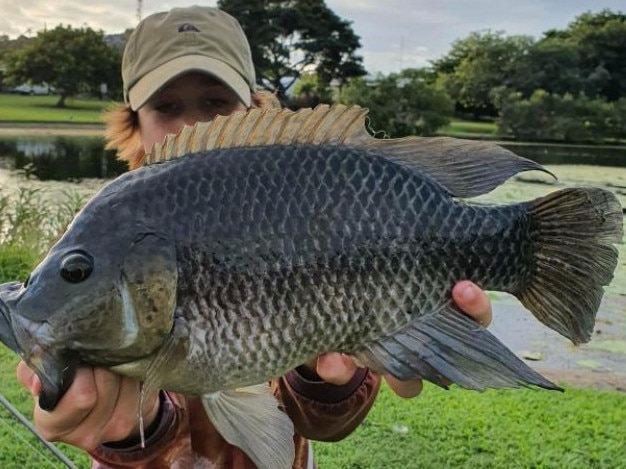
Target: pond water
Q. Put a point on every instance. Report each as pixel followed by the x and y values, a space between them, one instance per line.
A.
pixel 59 158
pixel 76 157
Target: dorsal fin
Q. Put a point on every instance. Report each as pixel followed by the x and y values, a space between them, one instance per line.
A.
pixel 466 168
pixel 325 124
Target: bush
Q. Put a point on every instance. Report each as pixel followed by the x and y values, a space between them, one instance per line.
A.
pixel 29 224
pixel 401 104
pixel 617 121
pixel 547 116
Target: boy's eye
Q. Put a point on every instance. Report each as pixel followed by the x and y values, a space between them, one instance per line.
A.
pixel 167 108
pixel 216 103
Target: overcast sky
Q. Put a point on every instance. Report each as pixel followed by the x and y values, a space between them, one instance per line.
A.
pixel 395 34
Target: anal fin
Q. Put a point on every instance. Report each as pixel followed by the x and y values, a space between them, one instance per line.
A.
pixel 250 419
pixel 448 346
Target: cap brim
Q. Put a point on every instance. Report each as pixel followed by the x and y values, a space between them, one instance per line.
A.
pixel 150 83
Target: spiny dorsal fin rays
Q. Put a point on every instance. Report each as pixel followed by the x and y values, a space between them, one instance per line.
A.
pixel 465 168
pixel 325 124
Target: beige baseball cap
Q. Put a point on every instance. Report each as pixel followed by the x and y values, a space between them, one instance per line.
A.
pixel 168 44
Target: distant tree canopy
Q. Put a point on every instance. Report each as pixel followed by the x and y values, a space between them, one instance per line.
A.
pixel 288 37
pixel 71 60
pixel 401 104
pixel 478 64
pixel 7 44
pixel 601 42
pixel 588 58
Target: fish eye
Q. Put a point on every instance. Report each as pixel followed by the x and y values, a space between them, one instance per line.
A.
pixel 76 267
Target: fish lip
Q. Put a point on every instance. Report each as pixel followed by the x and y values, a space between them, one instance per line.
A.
pixel 55 369
pixel 54 366
pixel 56 373
pixel 7 334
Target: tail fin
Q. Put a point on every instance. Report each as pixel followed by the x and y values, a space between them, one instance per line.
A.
pixel 575 232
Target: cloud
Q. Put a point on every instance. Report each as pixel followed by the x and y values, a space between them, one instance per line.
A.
pixel 394 34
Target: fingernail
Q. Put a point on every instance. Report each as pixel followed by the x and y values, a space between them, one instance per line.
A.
pixel 35 386
pixel 469 293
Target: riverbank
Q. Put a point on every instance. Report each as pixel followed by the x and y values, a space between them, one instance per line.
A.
pixel 50 129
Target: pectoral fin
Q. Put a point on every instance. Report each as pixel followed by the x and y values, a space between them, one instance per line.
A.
pixel 250 419
pixel 448 346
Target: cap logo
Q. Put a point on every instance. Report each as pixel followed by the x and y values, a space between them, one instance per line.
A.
pixel 187 27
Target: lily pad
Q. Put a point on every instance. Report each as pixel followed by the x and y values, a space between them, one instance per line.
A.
pixel 532 356
pixel 590 364
pixel 613 346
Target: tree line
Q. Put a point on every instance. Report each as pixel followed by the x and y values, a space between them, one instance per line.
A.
pixel 567 85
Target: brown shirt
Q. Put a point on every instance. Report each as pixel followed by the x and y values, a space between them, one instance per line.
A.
pixel 183 437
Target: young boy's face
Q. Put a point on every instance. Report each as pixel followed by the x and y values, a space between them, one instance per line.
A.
pixel 190 98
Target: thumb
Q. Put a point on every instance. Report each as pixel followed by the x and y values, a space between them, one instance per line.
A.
pixel 28 379
pixel 335 368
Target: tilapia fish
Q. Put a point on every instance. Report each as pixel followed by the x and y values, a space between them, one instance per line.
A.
pixel 250 245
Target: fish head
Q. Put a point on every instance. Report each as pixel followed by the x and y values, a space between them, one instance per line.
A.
pixel 102 303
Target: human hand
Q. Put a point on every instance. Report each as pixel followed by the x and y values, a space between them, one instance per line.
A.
pixel 99 407
pixel 338 368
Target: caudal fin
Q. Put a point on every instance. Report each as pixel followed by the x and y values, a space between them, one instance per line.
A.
pixel 574 235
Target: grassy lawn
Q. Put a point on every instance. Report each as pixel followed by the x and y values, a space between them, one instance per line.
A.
pixel 461 128
pixel 497 429
pixel 441 429
pixel 41 109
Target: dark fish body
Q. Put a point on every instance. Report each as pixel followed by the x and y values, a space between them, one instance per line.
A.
pixel 290 252
pixel 283 253
pixel 225 268
pixel 293 251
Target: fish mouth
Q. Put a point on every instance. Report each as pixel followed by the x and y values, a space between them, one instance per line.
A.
pixel 55 366
pixel 56 371
pixel 7 336
pixel 56 374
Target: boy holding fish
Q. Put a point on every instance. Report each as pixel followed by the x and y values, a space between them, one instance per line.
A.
pixel 182 67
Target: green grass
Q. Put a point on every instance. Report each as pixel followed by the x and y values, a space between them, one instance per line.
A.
pixel 18 446
pixel 497 429
pixel 440 429
pixel 41 109
pixel 464 129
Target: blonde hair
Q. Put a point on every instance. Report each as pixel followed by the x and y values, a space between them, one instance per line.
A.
pixel 122 128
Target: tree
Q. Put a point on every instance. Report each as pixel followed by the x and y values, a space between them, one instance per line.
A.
pixel 71 60
pixel 7 44
pixel 601 41
pixel 478 64
pixel 309 91
pixel 289 37
pixel 401 104
pixel 551 64
pixel 545 116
